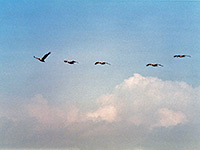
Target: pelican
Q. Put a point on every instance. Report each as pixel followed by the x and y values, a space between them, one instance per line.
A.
pixel 101 62
pixel 181 56
pixel 154 65
pixel 70 62
pixel 43 58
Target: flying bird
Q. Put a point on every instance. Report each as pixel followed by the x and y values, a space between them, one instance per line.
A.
pixel 70 62
pixel 101 62
pixel 43 58
pixel 181 56
pixel 154 65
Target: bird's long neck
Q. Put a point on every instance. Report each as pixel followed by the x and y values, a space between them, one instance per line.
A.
pixel 37 58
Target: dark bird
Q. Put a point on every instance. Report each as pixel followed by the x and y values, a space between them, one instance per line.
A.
pixel 154 65
pixel 181 56
pixel 101 62
pixel 43 58
pixel 70 62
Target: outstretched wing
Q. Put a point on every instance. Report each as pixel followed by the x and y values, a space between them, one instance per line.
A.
pixel 107 63
pixel 96 63
pixel 73 61
pixel 176 55
pixel 45 56
pixel 66 61
pixel 148 64
pixel 187 55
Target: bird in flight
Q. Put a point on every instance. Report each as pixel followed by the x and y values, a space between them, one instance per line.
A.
pixel 181 56
pixel 101 62
pixel 70 62
pixel 43 58
pixel 154 65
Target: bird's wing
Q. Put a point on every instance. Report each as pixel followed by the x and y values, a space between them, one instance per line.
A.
pixel 176 55
pixel 65 61
pixel 148 64
pixel 107 63
pixel 188 55
pixel 96 63
pixel 45 56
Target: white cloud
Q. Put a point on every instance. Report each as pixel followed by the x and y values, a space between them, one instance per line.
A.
pixel 170 118
pixel 52 116
pixel 107 113
pixel 138 107
pixel 146 101
pixel 150 101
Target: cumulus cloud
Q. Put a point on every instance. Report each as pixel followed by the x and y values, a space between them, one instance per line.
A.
pixel 107 113
pixel 125 118
pixel 170 118
pixel 150 101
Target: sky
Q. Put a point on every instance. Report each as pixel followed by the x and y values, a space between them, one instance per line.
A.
pixel 122 106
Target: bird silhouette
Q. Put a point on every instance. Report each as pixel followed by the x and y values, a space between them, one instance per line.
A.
pixel 101 62
pixel 154 65
pixel 70 62
pixel 43 58
pixel 181 56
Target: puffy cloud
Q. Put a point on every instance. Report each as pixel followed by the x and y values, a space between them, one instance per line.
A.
pixel 107 113
pixel 152 102
pixel 126 118
pixel 170 118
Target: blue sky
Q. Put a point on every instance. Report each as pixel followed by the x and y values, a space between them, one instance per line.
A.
pixel 127 34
